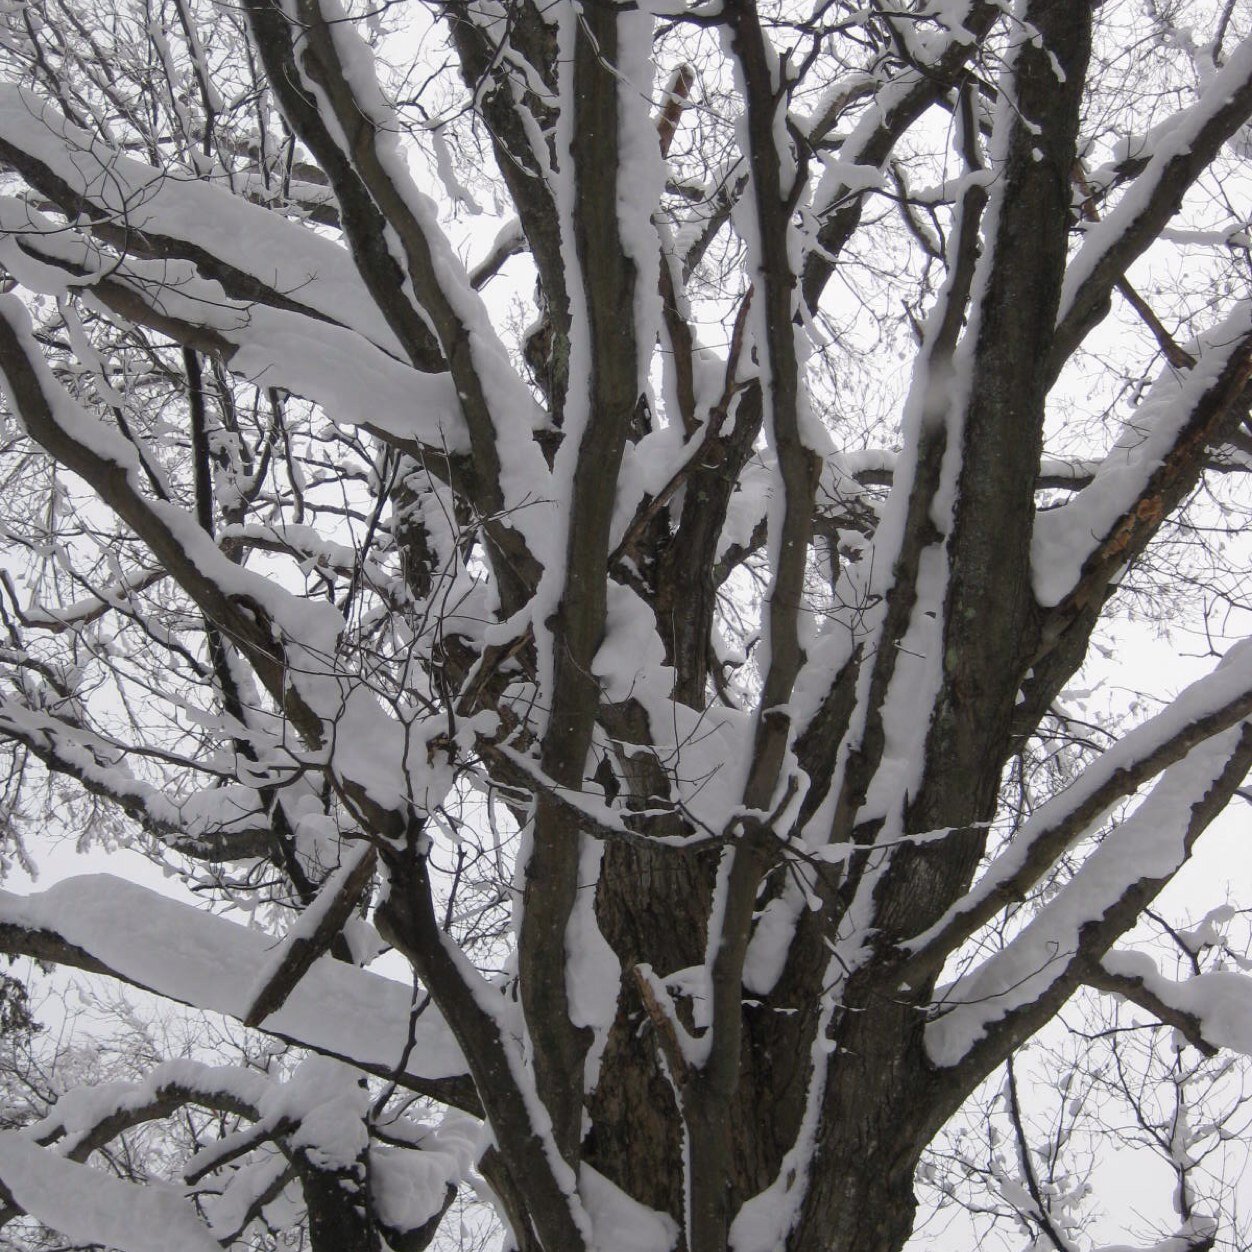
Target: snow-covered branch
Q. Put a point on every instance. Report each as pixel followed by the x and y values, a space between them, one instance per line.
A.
pixel 109 926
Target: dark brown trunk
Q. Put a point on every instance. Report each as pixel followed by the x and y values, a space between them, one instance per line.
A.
pixel 337 1200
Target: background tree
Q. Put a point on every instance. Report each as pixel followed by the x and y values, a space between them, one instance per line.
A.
pixel 678 684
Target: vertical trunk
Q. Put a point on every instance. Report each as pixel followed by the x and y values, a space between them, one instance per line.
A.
pixel 650 907
pixel 337 1200
pixel 882 1104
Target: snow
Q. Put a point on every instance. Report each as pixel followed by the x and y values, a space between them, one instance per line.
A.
pixel 561 184
pixel 1220 999
pixel 852 176
pixel 195 958
pixel 695 985
pixel 329 1103
pixel 90 1207
pixel 290 259
pixel 408 1188
pixel 750 503
pixel 631 656
pixel 306 925
pixel 1148 846
pixel 204 813
pixel 592 971
pixel 1168 144
pixel 316 359
pixel 843 176
pixel 231 1209
pixel 620 1223
pixel 914 686
pixel 640 174
pixel 325 364
pixel 80 1111
pixel 766 957
pixel 933 411
pixel 648 467
pixel 177 951
pixel 1202 699
pixel 1064 538
pixel 322 1108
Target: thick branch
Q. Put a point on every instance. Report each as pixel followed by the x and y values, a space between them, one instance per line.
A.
pixel 105 925
pixel 1207 708
pixel 1180 157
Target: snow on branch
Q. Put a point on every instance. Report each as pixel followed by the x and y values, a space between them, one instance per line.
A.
pixel 1154 461
pixel 83 1119
pixel 215 822
pixel 265 345
pixel 85 611
pixel 1218 1000
pixel 312 933
pixel 1179 156
pixel 256 255
pixel 1041 965
pixel 106 925
pixel 91 1207
pixel 895 105
pixel 376 760
pixel 1213 1009
pixel 1208 708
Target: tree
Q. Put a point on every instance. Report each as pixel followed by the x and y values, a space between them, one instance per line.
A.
pixel 681 696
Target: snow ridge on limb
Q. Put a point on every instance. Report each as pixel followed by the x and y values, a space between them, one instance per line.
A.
pixel 83 1119
pixel 1209 707
pixel 106 925
pixel 93 1207
pixel 1213 1009
pixel 1002 999
pixel 1179 157
pixel 996 405
pixel 214 823
pixel 604 178
pixel 312 934
pixel 895 106
pixel 255 254
pixel 1076 549
pixel 269 346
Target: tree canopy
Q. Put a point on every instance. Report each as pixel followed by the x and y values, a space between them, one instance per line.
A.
pixel 608 499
